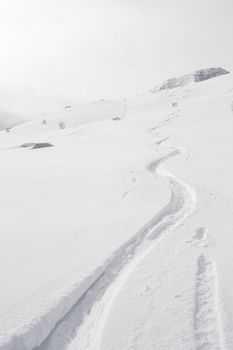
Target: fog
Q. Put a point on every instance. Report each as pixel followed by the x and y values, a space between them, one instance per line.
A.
pixel 55 52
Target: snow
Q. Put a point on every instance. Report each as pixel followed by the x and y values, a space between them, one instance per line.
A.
pixel 119 236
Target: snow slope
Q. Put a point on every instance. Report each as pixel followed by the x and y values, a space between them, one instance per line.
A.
pixel 119 236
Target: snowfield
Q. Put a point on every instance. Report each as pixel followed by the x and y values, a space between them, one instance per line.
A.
pixel 119 235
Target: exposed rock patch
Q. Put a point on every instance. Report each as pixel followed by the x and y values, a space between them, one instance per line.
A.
pixel 36 145
pixel 197 76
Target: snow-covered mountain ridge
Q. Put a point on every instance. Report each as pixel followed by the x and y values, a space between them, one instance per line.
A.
pixel 197 76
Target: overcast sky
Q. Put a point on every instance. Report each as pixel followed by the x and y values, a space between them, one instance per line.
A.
pixel 90 49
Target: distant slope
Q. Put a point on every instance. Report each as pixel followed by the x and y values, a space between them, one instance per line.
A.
pixel 8 120
pixel 71 115
pixel 74 115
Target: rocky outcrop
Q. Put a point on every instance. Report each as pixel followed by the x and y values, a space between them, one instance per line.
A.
pixel 36 145
pixel 197 76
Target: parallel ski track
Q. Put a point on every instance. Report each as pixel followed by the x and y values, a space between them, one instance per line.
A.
pixel 207 320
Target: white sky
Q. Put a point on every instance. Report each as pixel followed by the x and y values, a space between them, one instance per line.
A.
pixel 90 49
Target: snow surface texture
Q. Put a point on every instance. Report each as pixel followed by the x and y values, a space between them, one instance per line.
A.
pixel 197 76
pixel 119 236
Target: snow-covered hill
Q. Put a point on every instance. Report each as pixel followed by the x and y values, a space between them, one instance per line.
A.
pixel 119 236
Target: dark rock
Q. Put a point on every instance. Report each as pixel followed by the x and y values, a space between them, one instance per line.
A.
pixel 36 145
pixel 197 76
pixel 42 145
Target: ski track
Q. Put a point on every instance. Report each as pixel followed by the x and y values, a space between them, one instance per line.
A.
pixel 76 313
pixel 207 332
pixel 85 321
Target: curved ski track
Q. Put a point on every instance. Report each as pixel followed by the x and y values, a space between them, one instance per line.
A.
pixel 81 322
pixel 81 316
